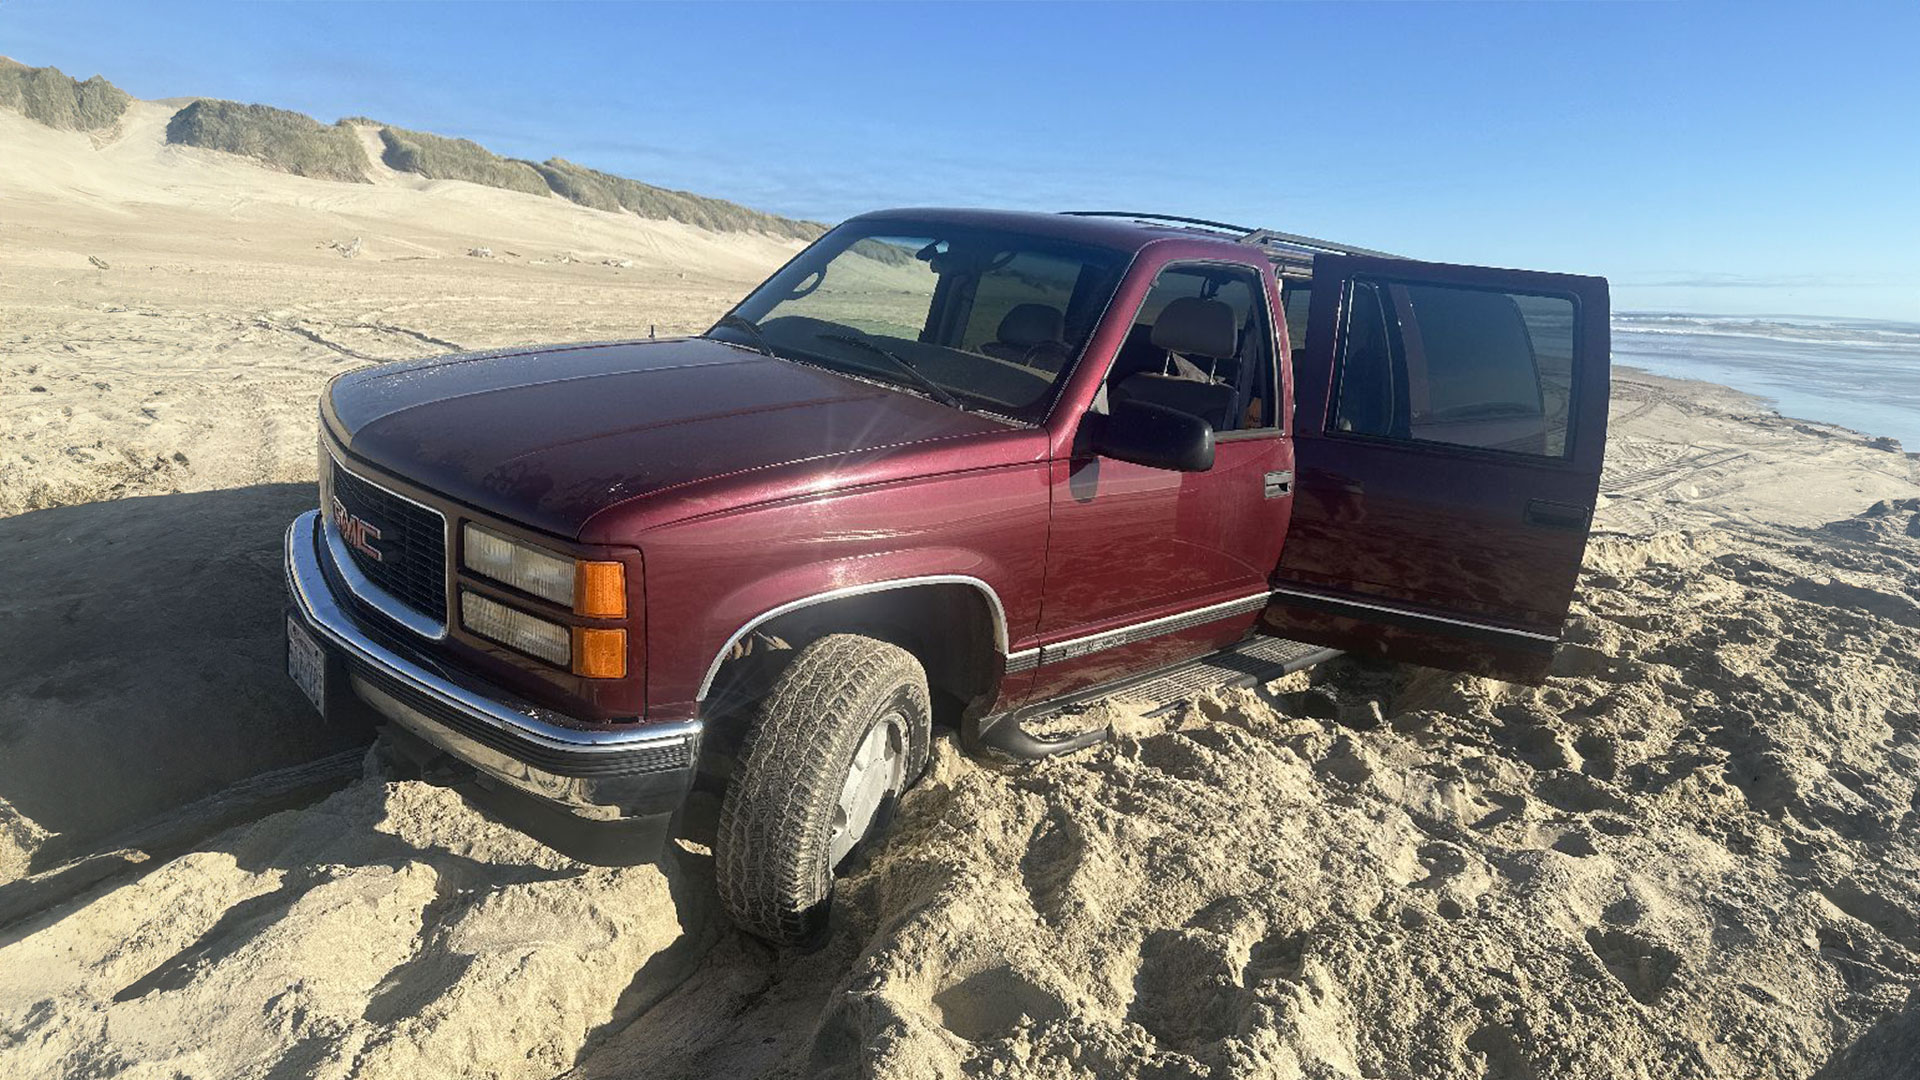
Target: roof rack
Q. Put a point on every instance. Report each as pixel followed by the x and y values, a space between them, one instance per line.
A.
pixel 1292 252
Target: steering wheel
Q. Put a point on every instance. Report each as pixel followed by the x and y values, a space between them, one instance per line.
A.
pixel 1037 347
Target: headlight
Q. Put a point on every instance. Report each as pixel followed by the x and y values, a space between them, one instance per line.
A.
pixel 516 629
pixel 597 589
pixel 591 652
pixel 522 566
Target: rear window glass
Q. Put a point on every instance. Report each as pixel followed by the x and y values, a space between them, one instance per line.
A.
pixel 1464 366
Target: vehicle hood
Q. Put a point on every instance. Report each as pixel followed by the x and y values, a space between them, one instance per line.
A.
pixel 552 436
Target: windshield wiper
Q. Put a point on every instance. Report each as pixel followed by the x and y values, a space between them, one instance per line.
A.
pixel 751 327
pixel 940 393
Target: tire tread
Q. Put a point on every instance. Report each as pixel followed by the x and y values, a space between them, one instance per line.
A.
pixel 770 849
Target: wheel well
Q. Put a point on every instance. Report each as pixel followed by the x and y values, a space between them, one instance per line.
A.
pixel 951 628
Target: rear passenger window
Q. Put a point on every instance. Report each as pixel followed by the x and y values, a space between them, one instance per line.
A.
pixel 1466 367
pixel 1370 368
pixel 1298 297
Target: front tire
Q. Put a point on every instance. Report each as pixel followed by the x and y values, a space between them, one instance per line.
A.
pixel 840 735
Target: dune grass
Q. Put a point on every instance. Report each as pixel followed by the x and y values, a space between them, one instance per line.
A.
pixel 290 141
pixel 440 158
pixel 443 158
pixel 296 143
pixel 53 98
pixel 605 191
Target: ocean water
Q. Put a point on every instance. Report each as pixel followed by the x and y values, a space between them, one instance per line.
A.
pixel 1858 373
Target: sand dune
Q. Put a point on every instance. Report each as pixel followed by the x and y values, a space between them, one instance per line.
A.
pixel 1694 853
pixel 192 360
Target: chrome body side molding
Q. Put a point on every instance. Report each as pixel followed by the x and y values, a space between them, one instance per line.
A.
pixel 1024 660
pixel 1074 648
pixel 1086 645
pixel 1333 604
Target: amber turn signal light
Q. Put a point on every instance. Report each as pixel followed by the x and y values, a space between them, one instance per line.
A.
pixel 599 654
pixel 600 590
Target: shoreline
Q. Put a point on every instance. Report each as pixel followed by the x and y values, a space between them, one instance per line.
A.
pixel 1709 389
pixel 1691 453
pixel 1860 374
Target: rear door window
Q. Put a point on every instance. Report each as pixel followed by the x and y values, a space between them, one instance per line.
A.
pixel 1460 366
pixel 1370 368
pixel 1298 297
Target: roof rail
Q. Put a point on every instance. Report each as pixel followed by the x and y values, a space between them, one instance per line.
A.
pixel 1243 234
pixel 1220 225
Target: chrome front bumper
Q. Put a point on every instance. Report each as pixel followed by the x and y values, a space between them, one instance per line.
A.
pixel 599 775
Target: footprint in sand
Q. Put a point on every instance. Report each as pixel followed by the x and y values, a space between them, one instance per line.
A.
pixel 1644 967
pixel 989 1004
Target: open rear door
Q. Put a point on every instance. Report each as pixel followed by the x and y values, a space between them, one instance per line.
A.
pixel 1449 424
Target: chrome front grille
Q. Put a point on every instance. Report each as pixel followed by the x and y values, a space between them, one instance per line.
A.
pixel 397 545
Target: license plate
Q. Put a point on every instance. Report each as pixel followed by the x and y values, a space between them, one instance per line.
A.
pixel 307 664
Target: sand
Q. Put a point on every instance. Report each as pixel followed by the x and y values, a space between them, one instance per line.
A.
pixel 1695 852
pixel 231 293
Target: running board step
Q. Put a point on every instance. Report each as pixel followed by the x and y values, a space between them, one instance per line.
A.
pixel 1247 664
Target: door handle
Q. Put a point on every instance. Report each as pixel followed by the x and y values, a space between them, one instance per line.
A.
pixel 1555 515
pixel 1279 483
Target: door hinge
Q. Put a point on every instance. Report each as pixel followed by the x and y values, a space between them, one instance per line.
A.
pixel 1279 483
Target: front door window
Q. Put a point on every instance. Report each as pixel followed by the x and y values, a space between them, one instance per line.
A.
pixel 1231 385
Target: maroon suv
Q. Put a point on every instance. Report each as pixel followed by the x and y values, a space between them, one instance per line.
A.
pixel 945 466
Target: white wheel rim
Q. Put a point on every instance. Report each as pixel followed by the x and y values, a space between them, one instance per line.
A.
pixel 879 765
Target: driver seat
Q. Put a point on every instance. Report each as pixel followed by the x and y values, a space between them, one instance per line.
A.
pixel 1191 327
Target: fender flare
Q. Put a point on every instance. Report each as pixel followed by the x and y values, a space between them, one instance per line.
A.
pixel 994 606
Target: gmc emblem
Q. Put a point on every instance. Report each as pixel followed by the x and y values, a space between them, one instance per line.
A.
pixel 359 533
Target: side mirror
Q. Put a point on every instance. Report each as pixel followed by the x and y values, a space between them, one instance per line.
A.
pixel 1155 436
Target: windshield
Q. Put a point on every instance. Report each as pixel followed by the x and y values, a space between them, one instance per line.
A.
pixel 974 318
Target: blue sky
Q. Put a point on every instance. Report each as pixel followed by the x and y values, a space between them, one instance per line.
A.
pixel 1740 158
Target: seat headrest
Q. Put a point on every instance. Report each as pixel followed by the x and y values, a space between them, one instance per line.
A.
pixel 1197 327
pixel 1031 324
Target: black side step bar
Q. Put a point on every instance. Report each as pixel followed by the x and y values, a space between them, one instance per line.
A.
pixel 1249 663
pixel 1004 733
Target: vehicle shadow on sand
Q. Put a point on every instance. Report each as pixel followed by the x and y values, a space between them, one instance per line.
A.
pixel 141 662
pixel 142 681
